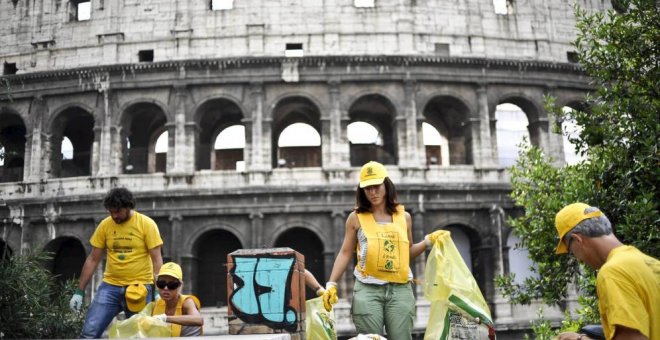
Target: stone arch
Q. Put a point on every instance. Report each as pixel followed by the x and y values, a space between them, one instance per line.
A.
pixel 285 112
pixel 532 108
pixel 380 112
pixel 68 258
pixel 516 260
pixel 124 111
pixel 292 94
pixel 73 105
pixel 460 97
pixel 452 115
pixel 307 242
pixel 212 116
pixel 13 141
pixel 75 122
pixel 188 247
pixel 210 265
pixel 141 122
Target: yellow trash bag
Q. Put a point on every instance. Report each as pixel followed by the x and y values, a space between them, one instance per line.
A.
pixel 141 325
pixel 319 323
pixel 457 305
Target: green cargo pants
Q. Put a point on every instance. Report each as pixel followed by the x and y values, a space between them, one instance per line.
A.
pixel 391 305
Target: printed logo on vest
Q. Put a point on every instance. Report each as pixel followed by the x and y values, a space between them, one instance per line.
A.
pixel 388 252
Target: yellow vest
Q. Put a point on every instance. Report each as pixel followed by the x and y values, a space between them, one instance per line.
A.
pixel 160 307
pixel 388 253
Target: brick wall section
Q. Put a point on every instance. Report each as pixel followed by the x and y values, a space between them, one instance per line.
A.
pixel 266 291
pixel 42 37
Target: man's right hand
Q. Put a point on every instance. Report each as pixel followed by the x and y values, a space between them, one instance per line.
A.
pixel 330 295
pixel 77 300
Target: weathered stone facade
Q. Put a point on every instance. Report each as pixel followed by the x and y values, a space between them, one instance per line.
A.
pixel 396 66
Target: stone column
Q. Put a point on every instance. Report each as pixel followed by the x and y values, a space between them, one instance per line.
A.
pixel 189 268
pixel 256 230
pixel 419 231
pixel 481 138
pixel 502 309
pixel 411 144
pixel 37 147
pixel 176 226
pixel 260 160
pixel 102 160
pixel 336 153
pixel 181 152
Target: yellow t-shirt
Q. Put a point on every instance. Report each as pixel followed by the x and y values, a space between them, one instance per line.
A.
pixel 127 246
pixel 629 292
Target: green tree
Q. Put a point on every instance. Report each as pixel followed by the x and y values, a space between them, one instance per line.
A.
pixel 620 121
pixel 32 304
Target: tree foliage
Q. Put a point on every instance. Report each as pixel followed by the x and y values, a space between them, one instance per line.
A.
pixel 620 124
pixel 33 305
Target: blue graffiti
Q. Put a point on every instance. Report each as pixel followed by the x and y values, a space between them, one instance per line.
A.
pixel 262 290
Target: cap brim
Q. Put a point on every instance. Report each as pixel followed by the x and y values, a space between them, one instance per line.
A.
pixel 561 248
pixel 369 182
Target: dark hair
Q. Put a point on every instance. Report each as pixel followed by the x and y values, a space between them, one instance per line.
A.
pixel 363 205
pixel 119 198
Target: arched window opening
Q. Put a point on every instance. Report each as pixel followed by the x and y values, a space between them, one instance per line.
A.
pixel 73 136
pixel 569 132
pixel 143 124
pixel 462 242
pixel 436 145
pixel 12 144
pixel 68 257
pixel 228 149
pixel 299 145
pixel 519 261
pixel 5 251
pixel 212 249
pixel 372 130
pixel 67 149
pixel 307 243
pixel 511 128
pixel 161 152
pixel 366 143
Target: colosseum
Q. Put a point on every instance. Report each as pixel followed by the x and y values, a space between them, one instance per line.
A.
pixel 243 124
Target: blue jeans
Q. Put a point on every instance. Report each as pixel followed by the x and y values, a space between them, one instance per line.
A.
pixel 107 303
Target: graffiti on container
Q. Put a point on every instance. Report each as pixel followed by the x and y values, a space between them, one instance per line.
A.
pixel 261 291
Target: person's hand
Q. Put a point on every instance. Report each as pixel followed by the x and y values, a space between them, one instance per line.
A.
pixel 161 317
pixel 77 300
pixel 320 291
pixel 330 295
pixel 430 239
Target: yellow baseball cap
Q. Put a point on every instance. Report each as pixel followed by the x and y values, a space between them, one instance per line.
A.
pixel 136 297
pixel 567 218
pixel 171 269
pixel 372 173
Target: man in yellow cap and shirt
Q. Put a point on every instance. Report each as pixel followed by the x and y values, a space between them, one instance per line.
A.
pixel 628 281
pixel 132 245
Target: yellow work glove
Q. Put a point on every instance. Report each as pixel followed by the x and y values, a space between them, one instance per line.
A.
pixel 430 239
pixel 330 295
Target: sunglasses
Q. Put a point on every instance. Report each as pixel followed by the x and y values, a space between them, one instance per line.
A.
pixel 172 285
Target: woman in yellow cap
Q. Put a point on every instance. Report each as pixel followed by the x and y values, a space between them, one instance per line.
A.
pixel 380 231
pixel 182 311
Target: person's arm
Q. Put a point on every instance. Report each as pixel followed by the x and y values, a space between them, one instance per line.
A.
pixel 417 248
pixel 347 248
pixel 156 260
pixel 190 317
pixel 312 283
pixel 89 267
pixel 625 333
